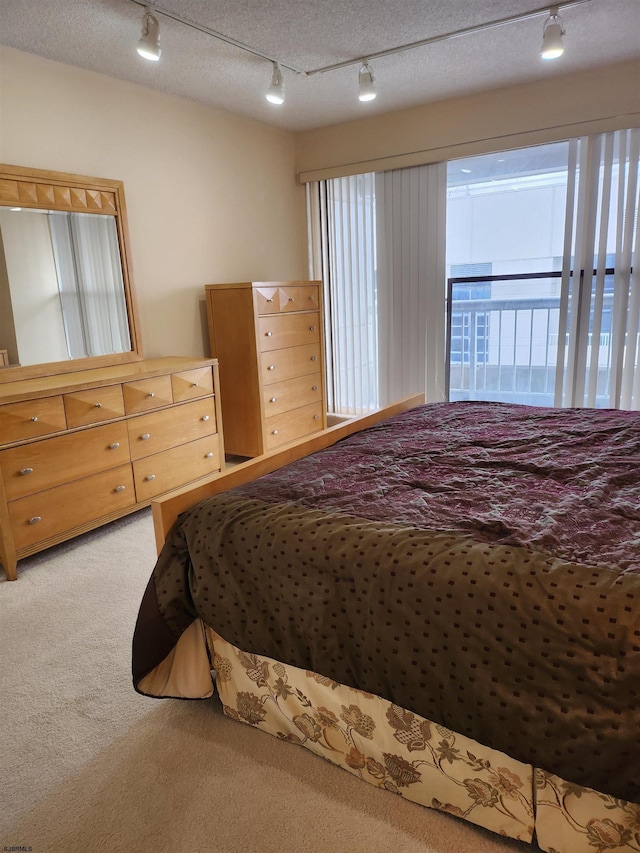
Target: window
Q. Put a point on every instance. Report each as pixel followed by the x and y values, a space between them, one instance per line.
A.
pixel 537 301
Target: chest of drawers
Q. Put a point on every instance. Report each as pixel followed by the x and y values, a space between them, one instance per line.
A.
pixel 95 445
pixel 268 339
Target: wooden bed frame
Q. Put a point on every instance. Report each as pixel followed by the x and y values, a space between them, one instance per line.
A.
pixel 562 816
pixel 166 509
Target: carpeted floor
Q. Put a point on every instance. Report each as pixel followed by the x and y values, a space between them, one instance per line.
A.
pixel 89 765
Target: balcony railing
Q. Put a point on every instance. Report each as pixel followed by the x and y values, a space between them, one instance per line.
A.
pixel 503 343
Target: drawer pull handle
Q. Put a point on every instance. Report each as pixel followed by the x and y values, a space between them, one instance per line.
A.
pixel 208 455
pixel 291 299
pixel 268 334
pixel 275 432
pixel 271 367
pixel 145 436
pixel 314 358
pixel 35 420
pixel 150 477
pixel 312 328
pixel 35 519
pixel 314 387
pixel 205 417
pixel 24 471
pixel 274 400
pixel 316 417
pixel 98 406
pixel 120 488
pixel 270 300
pixel 114 446
pixel 151 394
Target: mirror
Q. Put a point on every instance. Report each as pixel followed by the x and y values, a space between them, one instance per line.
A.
pixel 61 276
pixel 66 299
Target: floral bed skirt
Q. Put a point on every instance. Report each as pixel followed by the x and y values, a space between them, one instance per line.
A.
pixel 426 763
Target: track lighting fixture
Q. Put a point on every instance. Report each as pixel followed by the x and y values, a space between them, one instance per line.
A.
pixel 366 83
pixel 275 94
pixel 552 36
pixel 149 44
pixel 552 44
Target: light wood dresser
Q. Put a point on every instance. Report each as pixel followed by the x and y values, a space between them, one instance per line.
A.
pixel 268 339
pixel 83 448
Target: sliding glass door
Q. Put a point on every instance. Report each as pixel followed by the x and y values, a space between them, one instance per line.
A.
pixel 506 276
pixel 541 295
pixel 505 231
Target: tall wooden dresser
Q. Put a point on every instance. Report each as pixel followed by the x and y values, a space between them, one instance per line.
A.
pixel 83 448
pixel 268 339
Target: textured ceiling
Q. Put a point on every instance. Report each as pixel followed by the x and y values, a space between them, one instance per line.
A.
pixel 101 35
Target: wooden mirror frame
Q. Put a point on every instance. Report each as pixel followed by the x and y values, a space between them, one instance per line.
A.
pixel 42 189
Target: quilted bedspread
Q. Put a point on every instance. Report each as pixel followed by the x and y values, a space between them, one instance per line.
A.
pixel 476 563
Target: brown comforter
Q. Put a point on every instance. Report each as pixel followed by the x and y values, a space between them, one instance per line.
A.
pixel 477 563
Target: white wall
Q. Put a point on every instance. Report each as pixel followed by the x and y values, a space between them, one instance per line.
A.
pixel 211 197
pixel 506 226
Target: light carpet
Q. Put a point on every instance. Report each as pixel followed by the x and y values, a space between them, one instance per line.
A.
pixel 89 765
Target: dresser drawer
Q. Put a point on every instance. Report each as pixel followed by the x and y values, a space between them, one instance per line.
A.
pixel 190 384
pixel 288 330
pixel 301 298
pixel 291 394
pixel 33 467
pixel 267 300
pixel 145 394
pixel 19 421
pixel 281 364
pixel 159 431
pixel 55 511
pixel 162 472
pixel 292 425
pixel 97 404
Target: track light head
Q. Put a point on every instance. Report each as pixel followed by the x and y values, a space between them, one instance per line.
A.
pixel 366 83
pixel 149 44
pixel 275 94
pixel 552 36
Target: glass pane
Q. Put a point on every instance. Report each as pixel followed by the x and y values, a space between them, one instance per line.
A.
pixel 505 232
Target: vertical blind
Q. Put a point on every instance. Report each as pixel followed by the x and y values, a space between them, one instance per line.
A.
pixel 345 259
pixel 411 208
pixel 382 261
pixel 87 258
pixel 600 237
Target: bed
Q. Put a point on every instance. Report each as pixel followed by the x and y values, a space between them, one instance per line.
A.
pixel 442 599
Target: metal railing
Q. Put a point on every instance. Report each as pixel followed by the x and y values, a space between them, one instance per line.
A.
pixel 503 345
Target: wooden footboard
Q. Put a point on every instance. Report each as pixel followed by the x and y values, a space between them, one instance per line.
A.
pixel 166 509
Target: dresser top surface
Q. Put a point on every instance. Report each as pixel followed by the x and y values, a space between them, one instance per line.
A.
pixel 255 284
pixel 64 383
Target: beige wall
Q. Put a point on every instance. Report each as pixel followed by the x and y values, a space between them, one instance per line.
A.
pixel 213 197
pixel 558 107
pixel 210 196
